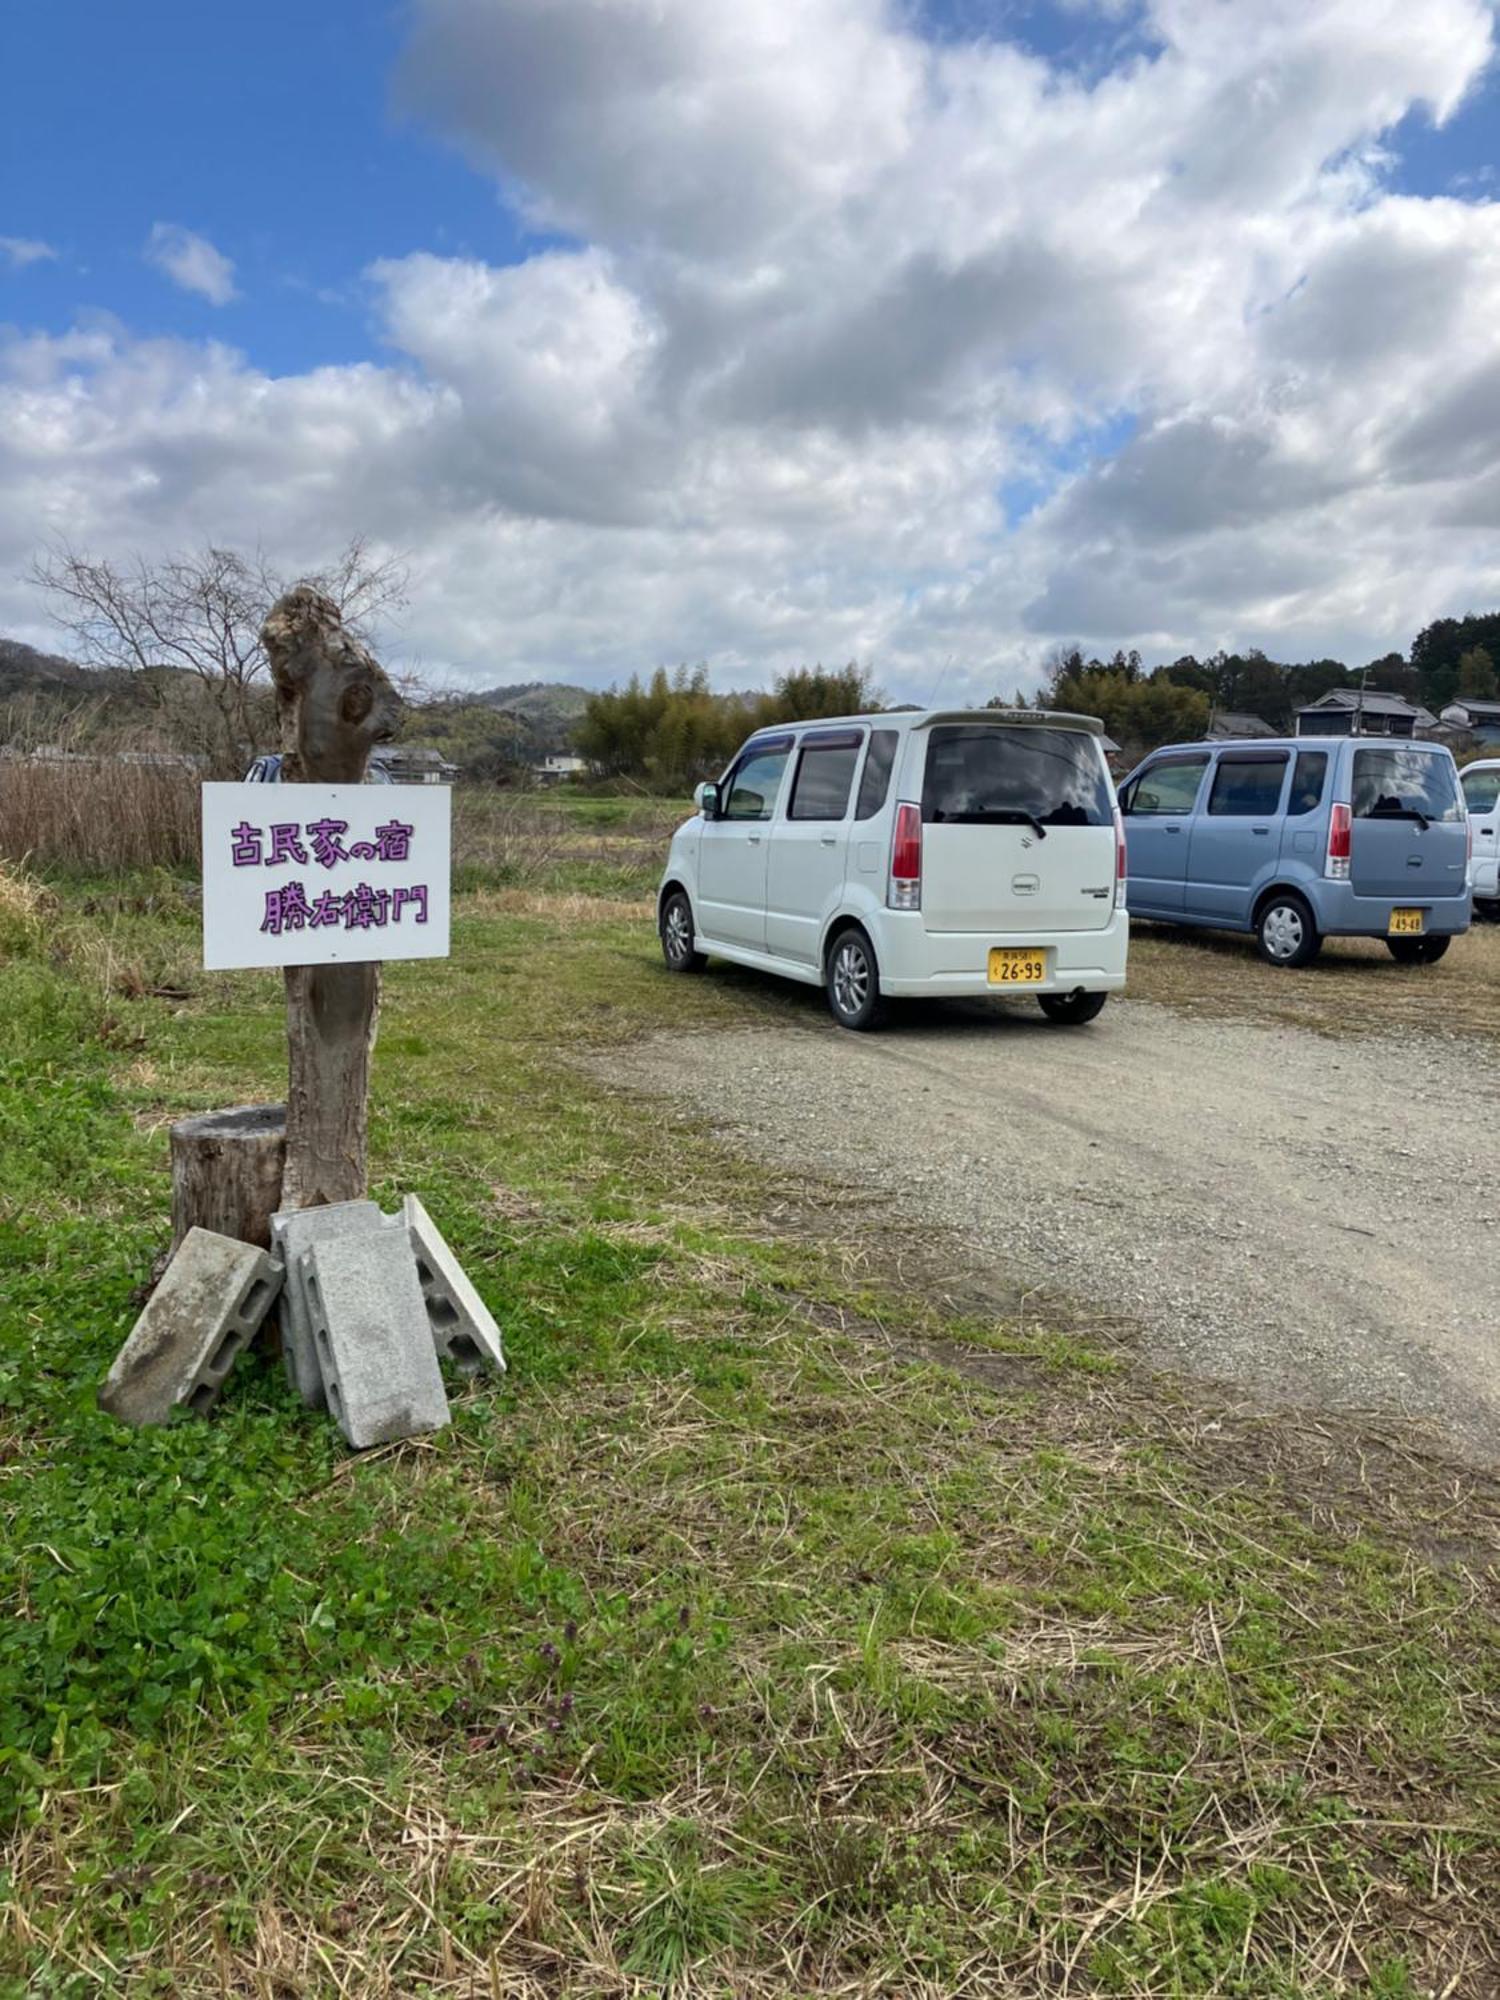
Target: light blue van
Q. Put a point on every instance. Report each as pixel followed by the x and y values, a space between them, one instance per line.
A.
pixel 1300 838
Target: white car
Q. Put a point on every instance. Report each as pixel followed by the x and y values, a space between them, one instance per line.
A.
pixel 932 853
pixel 1481 783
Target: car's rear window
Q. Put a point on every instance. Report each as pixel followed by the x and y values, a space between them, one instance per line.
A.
pixel 993 776
pixel 1391 783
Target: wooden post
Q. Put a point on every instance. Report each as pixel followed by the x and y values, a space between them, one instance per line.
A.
pixel 334 703
pixel 227 1172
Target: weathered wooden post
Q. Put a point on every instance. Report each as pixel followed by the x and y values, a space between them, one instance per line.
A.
pixel 334 703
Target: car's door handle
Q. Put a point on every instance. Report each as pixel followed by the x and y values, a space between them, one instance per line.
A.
pixel 1171 829
pixel 830 839
pixel 1260 829
pixel 755 840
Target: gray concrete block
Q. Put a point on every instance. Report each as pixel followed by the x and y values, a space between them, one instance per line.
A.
pixel 370 1332
pixel 463 1327
pixel 199 1320
pixel 293 1232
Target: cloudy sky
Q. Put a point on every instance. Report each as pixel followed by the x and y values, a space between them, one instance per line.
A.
pixel 661 330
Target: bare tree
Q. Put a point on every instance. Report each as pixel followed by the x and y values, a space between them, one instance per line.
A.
pixel 201 613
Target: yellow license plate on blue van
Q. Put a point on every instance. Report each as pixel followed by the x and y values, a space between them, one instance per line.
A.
pixel 1017 965
pixel 1405 923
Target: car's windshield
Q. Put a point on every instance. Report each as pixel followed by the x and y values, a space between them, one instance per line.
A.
pixel 1406 783
pixel 993 776
pixel 1482 789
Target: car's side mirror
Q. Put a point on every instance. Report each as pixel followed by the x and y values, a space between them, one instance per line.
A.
pixel 706 799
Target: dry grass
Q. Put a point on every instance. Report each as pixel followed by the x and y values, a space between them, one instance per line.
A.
pixel 95 813
pixel 1353 987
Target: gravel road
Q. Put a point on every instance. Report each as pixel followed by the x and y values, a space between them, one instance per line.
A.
pixel 1312 1219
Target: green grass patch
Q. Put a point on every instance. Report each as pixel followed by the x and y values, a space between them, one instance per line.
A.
pixel 748 1639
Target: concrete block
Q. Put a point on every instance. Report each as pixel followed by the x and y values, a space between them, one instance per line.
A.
pixel 463 1327
pixel 199 1320
pixel 293 1233
pixel 370 1332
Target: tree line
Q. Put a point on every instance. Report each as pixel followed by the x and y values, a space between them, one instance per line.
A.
pixel 1450 658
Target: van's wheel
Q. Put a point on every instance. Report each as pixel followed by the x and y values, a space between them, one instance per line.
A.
pixel 676 928
pixel 1487 912
pixel 1418 950
pixel 1071 1010
pixel 852 978
pixel 1286 933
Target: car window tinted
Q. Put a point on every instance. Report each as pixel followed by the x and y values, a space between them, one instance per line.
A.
pixel 875 779
pixel 1168 788
pixel 754 786
pixel 825 772
pixel 1308 780
pixel 995 776
pixel 1246 787
pixel 1481 790
pixel 1394 784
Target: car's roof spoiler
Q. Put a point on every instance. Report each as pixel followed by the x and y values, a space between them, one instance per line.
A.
pixel 1044 718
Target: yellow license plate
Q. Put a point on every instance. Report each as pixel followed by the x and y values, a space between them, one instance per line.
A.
pixel 1405 923
pixel 1017 965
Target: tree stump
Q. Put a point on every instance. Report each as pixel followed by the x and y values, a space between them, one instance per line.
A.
pixel 227 1172
pixel 334 703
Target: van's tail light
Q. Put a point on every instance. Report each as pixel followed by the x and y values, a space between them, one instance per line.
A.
pixel 1121 870
pixel 905 892
pixel 1340 832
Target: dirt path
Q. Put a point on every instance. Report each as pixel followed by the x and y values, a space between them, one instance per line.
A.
pixel 1316 1220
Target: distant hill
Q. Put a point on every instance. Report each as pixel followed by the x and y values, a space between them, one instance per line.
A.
pixel 24 670
pixel 549 709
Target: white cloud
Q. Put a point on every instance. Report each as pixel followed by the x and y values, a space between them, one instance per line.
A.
pixel 24 250
pixel 191 261
pixel 831 291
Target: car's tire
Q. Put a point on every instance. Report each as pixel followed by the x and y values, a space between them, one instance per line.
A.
pixel 675 928
pixel 1285 931
pixel 1486 912
pixel 1071 1010
pixel 1417 950
pixel 852 981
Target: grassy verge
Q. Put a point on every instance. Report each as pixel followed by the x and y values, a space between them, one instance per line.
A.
pixel 764 1633
pixel 1353 987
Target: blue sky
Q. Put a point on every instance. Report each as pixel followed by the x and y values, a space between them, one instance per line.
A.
pixel 824 340
pixel 273 131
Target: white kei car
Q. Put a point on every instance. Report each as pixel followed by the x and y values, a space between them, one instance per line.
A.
pixel 939 853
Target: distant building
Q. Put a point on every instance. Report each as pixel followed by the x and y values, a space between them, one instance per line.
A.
pixel 408 765
pixel 557 765
pixel 1227 726
pixel 1363 712
pixel 1475 718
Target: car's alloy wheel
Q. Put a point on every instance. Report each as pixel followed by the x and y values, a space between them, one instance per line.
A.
pixel 677 935
pixel 853 982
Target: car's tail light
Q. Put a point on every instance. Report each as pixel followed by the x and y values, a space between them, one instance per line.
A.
pixel 905 891
pixel 1121 870
pixel 1340 833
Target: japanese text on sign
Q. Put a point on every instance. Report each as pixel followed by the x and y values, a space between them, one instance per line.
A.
pixel 314 874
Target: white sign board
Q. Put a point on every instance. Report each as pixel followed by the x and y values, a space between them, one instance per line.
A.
pixel 324 874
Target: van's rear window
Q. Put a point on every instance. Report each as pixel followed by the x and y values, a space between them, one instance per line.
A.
pixel 991 776
pixel 1393 784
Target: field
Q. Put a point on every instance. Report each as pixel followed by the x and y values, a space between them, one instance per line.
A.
pixel 773 1630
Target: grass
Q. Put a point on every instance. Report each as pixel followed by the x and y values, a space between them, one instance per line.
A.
pixel 1353 986
pixel 767 1632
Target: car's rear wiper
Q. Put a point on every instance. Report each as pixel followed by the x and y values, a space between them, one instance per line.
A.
pixel 1403 812
pixel 1013 816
